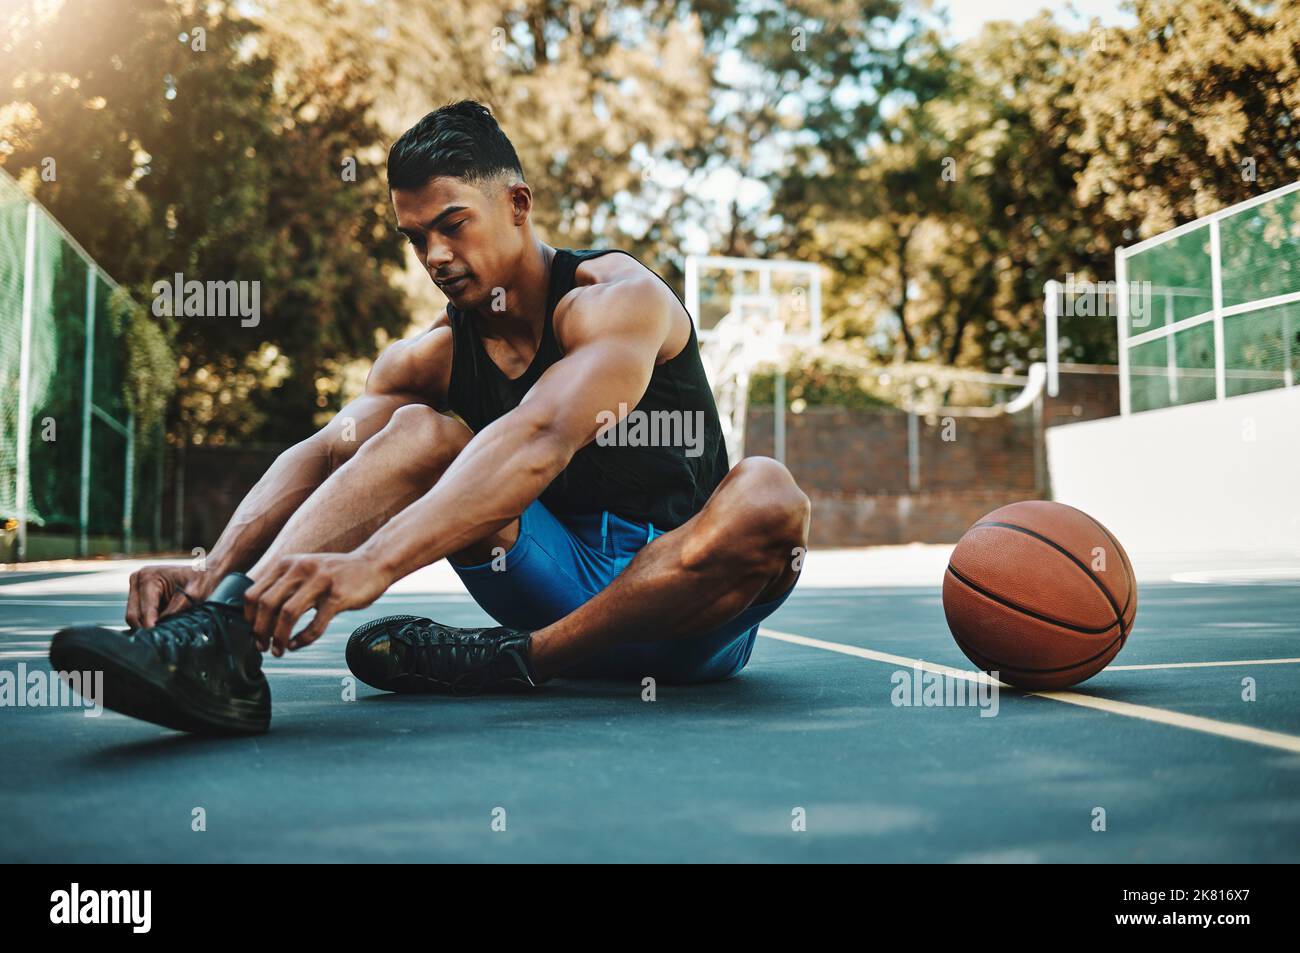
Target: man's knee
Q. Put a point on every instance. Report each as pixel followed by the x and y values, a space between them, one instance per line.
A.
pixel 768 503
pixel 417 427
pixel 757 519
pixel 419 439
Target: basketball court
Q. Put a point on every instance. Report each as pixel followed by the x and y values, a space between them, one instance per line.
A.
pixel 844 739
pixel 1162 741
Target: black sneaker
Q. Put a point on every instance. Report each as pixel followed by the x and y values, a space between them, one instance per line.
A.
pixel 198 670
pixel 407 653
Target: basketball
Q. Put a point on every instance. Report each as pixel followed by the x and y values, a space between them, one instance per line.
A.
pixel 1040 594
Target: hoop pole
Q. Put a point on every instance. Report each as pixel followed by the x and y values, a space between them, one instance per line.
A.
pixel 1051 312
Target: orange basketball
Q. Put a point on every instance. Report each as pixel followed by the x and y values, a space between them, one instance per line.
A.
pixel 1040 593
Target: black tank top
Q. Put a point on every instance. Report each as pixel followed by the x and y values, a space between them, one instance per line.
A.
pixel 661 485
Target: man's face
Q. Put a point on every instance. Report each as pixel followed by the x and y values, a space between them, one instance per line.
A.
pixel 467 237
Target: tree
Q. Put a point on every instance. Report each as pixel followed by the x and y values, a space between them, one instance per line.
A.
pixel 602 100
pixel 1193 109
pixel 180 149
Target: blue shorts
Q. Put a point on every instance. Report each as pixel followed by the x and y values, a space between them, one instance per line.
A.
pixel 557 565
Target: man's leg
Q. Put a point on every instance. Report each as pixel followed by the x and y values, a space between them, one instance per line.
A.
pixel 388 473
pixel 741 549
pixel 171 676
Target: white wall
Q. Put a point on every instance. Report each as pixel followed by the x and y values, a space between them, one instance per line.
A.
pixel 1209 476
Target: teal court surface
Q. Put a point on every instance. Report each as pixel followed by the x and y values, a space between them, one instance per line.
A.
pixel 1187 749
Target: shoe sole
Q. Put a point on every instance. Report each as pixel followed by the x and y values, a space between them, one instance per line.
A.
pixel 129 691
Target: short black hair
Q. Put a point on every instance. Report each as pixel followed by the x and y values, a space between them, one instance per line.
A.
pixel 460 140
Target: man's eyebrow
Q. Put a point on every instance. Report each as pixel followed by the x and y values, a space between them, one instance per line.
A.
pixel 436 220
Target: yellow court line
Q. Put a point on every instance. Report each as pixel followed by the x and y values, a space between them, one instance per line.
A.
pixel 1224 729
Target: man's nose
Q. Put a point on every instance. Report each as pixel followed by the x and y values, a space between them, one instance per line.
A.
pixel 437 259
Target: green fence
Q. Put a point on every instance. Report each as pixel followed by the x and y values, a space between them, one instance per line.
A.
pixel 73 469
pixel 1219 308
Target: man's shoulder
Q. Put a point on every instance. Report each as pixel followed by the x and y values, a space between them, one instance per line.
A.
pixel 616 289
pixel 419 365
pixel 607 266
pixel 617 272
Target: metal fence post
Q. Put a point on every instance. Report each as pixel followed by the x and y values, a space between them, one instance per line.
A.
pixel 87 398
pixel 24 382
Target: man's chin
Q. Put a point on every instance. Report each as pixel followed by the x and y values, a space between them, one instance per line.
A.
pixel 461 294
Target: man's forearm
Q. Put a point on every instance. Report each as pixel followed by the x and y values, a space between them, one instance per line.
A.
pixel 261 515
pixel 493 480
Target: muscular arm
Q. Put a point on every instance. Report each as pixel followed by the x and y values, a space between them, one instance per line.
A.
pixel 612 335
pixel 406 373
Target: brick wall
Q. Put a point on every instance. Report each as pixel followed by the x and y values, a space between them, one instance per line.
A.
pixel 834 450
pixel 853 464
pixel 885 519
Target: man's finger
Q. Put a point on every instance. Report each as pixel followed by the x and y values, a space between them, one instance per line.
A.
pixel 133 601
pixel 270 604
pixel 177 603
pixel 324 613
pixel 296 607
pixel 254 592
pixel 151 597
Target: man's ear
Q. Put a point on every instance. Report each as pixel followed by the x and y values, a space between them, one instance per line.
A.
pixel 521 202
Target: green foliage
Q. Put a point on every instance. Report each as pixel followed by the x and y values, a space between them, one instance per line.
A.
pixel 1058 147
pixel 1193 109
pixel 817 383
pixel 150 362
pixel 941 185
pixel 179 151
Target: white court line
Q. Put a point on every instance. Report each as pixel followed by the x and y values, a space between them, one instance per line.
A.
pixel 1224 729
pixel 286 670
pixel 60 602
pixel 1240 577
pixel 1254 661
pixel 875 656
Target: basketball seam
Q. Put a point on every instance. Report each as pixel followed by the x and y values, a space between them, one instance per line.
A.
pixel 1041 671
pixel 1129 575
pixel 1119 613
pixel 1030 612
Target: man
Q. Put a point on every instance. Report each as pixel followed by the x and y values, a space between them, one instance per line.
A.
pixel 595 556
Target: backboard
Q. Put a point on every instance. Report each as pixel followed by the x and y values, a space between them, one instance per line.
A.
pixel 755 288
pixel 750 313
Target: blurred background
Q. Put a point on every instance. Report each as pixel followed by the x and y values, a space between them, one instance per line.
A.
pixel 938 166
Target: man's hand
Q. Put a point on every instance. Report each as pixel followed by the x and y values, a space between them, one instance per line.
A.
pixel 285 590
pixel 159 591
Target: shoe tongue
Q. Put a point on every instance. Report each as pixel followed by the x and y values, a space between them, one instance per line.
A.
pixel 230 591
pixel 236 633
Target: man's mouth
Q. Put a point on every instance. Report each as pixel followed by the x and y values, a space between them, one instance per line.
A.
pixel 452 285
